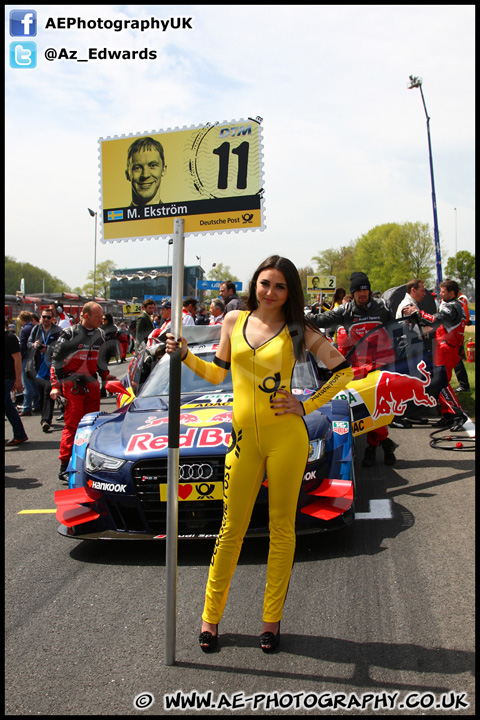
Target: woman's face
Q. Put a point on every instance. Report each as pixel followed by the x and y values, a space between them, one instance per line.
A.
pixel 271 288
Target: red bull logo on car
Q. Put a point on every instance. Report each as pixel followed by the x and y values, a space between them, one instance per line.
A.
pixel 375 399
pixel 200 432
pixel 207 437
pixel 394 390
pixel 201 418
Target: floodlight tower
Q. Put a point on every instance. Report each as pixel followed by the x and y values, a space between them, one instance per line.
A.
pixel 416 82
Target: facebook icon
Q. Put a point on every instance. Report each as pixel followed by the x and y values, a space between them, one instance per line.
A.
pixel 23 23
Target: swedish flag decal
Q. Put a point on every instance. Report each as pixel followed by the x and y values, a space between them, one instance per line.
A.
pixel 115 215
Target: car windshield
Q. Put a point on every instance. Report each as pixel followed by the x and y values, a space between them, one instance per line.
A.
pixel 158 382
pixel 400 344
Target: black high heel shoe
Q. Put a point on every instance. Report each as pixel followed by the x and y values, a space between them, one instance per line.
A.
pixel 208 642
pixel 269 642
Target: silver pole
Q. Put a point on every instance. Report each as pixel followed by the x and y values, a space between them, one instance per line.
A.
pixel 456 268
pixel 95 259
pixel 173 445
pixel 94 214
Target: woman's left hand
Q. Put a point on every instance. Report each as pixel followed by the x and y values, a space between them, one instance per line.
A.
pixel 286 403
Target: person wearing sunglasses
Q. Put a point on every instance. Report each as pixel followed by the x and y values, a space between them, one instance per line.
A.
pixel 42 340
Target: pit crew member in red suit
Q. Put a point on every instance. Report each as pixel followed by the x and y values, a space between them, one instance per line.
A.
pixel 358 317
pixel 77 357
pixel 123 339
pixel 449 324
pixel 460 371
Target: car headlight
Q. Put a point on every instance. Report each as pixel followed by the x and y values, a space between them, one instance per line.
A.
pixel 316 450
pixel 95 462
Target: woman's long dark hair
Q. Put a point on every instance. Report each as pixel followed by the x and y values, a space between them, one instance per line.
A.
pixel 338 297
pixel 293 307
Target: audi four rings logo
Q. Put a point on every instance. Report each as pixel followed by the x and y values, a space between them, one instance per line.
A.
pixel 195 472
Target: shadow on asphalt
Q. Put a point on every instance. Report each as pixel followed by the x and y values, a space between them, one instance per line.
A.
pixel 358 539
pixel 362 656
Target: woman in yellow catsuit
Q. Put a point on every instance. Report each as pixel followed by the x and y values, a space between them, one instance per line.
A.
pixel 268 434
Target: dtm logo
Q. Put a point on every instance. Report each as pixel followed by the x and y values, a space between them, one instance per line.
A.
pixel 394 391
pixel 23 23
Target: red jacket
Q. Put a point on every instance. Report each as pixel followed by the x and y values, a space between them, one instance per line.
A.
pixel 78 354
pixel 377 349
pixel 449 323
pixel 463 300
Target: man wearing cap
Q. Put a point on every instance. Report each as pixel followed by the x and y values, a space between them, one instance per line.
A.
pixel 158 335
pixel 358 317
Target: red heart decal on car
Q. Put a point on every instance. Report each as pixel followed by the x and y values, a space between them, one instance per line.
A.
pixel 184 491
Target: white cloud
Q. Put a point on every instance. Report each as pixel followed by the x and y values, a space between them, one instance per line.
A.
pixel 345 141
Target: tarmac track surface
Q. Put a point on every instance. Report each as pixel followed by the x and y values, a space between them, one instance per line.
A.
pixel 383 610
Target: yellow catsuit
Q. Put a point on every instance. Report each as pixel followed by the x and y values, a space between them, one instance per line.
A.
pixel 261 442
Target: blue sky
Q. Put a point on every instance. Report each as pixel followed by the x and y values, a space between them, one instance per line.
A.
pixel 345 142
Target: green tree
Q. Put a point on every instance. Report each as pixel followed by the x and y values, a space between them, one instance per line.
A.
pixel 326 262
pixel 413 250
pixel 104 272
pixel 339 262
pixel 219 272
pixel 461 268
pixel 373 257
pixel 304 272
pixel 36 279
pixel 392 254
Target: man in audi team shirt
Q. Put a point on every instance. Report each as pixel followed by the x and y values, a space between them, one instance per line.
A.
pixel 78 355
pixel 358 317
